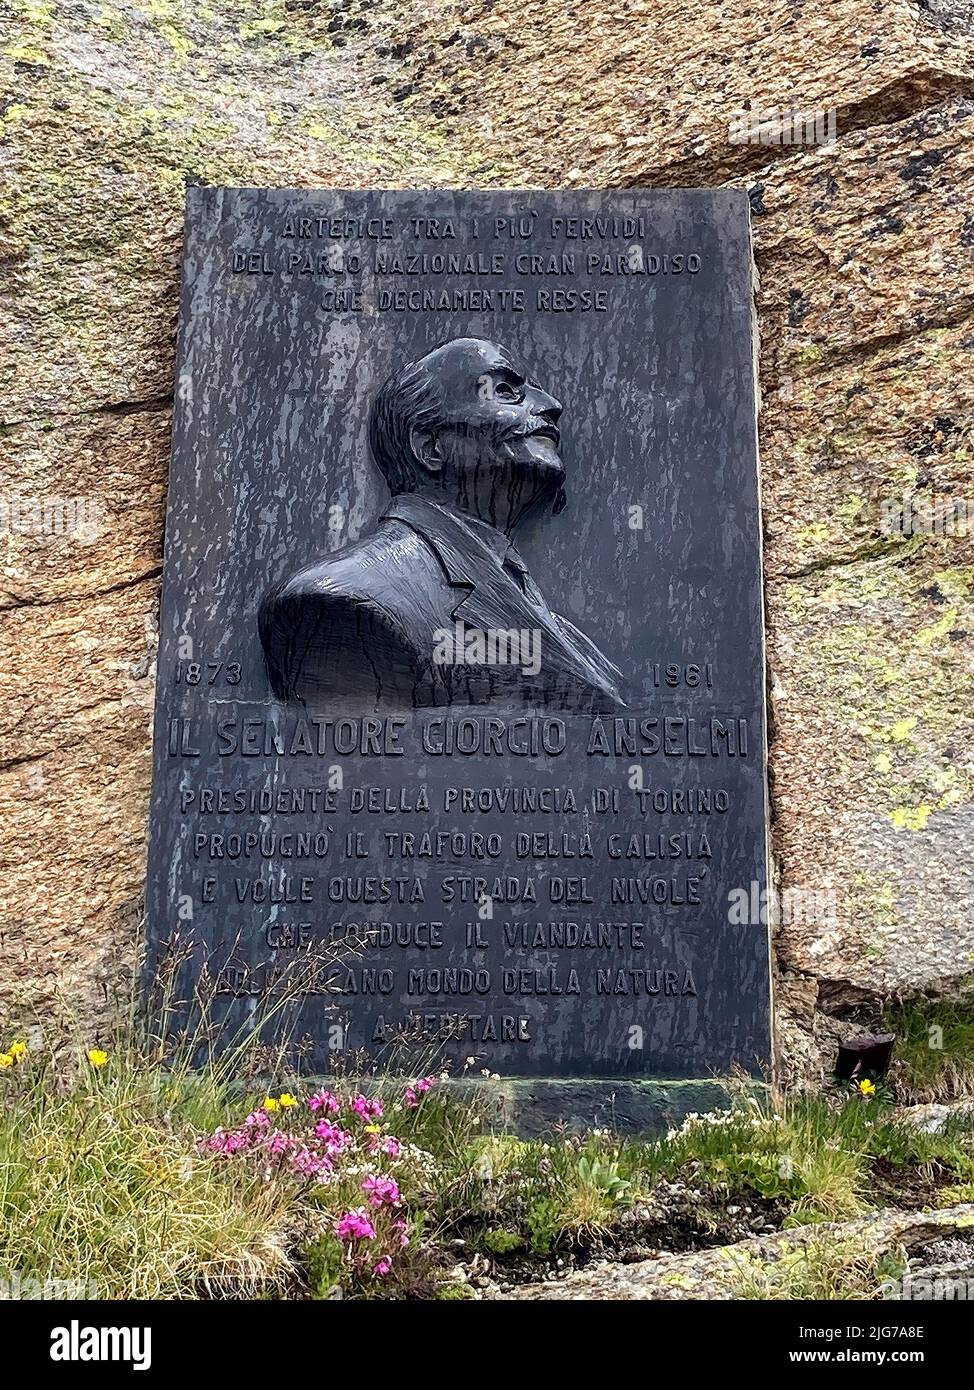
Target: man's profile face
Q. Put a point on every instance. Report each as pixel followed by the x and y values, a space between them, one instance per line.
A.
pixel 497 439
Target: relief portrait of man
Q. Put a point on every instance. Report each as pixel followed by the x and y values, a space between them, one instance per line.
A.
pixel 436 606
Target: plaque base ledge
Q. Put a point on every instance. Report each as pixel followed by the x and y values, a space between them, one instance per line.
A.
pixel 530 1107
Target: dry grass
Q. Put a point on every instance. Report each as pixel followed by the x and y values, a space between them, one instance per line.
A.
pixel 99 1189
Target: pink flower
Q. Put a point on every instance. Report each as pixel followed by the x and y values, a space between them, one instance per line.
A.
pixel 279 1142
pixel 226 1142
pixel 324 1100
pixel 366 1108
pixel 383 1266
pixel 310 1165
pixel 403 1230
pixel 415 1089
pixel 258 1119
pixel 355 1225
pixel 381 1191
pixel 334 1139
pixel 391 1147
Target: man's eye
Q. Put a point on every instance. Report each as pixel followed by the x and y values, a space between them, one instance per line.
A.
pixel 506 392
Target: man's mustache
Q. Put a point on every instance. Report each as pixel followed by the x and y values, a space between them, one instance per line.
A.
pixel 547 429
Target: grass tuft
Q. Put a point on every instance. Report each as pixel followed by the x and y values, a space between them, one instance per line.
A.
pixel 820 1269
pixel 101 1192
pixel 934 1048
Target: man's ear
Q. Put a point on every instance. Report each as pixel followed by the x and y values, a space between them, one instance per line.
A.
pixel 425 446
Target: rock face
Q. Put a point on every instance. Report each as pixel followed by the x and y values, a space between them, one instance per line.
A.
pixel 865 251
pixel 787 1264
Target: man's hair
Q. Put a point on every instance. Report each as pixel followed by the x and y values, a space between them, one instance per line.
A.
pixel 409 398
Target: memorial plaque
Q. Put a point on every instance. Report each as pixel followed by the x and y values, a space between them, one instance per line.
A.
pixel 461 668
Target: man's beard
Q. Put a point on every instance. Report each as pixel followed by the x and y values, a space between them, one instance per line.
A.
pixel 542 489
pixel 540 479
pixel 484 472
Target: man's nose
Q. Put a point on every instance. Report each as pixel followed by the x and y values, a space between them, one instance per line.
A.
pixel 544 405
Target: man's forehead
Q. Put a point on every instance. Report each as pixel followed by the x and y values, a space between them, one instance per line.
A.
pixel 476 355
pixel 499 357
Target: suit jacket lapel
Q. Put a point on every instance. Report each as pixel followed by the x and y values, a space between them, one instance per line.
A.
pixel 488 597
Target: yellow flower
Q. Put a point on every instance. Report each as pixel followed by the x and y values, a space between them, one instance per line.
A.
pixel 373 1129
pixel 867 1088
pixel 5 1061
pixel 17 1049
pixel 287 1100
pixel 270 1103
pixel 96 1057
